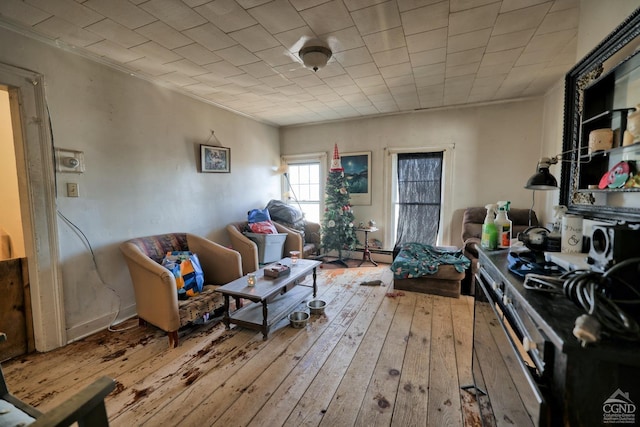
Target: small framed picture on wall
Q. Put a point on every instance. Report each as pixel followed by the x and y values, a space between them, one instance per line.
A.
pixel 215 159
pixel 357 172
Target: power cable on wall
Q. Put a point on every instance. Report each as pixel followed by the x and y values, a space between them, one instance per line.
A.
pixel 81 234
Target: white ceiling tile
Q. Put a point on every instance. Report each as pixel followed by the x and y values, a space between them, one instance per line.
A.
pixel 427 40
pixel 178 79
pixel 164 35
pixel 152 49
pixel 174 13
pixel 466 57
pixel 426 18
pixel 305 4
pixel 258 69
pixel 116 33
pixel 510 40
pixel 369 81
pixel 197 54
pixel 396 70
pixel 276 56
pixel 502 57
pixel 345 39
pixel 338 81
pixel 275 81
pixel 488 70
pixel 562 20
pixel 190 3
pixel 186 67
pixel 319 90
pixel 254 38
pixel 244 80
pixel 362 70
pixel 475 19
pixel 226 15
pixel 467 41
pixel 401 80
pixel 70 10
pixel 113 51
pixel 121 11
pixel 431 96
pixel 277 16
pixel 426 81
pixel 237 55
pixel 429 70
pixel 510 5
pixel 223 69
pixel 404 5
pixel 428 57
pixel 353 57
pixel 200 89
pixel 377 18
pixel 520 19
pixel 348 90
pixel 391 57
pixel 295 39
pixel 17 10
pixel 327 17
pixel 459 5
pixel 58 28
pixel 308 80
pixel 209 36
pixel 564 4
pixel 462 70
pixel 149 67
pixel 385 40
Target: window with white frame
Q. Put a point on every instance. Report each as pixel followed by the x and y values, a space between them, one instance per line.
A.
pixel 303 184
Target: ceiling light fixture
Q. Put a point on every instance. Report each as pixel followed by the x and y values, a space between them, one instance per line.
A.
pixel 315 57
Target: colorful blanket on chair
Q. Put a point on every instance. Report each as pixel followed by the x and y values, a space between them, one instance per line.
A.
pixel 418 259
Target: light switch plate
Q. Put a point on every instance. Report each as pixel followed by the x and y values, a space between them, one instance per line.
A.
pixel 69 161
pixel 72 189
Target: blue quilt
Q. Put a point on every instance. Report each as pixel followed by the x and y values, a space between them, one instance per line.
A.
pixel 418 259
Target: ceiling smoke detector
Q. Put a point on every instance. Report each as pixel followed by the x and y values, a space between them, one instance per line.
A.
pixel 315 57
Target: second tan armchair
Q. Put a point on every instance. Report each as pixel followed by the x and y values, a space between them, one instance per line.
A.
pixel 295 241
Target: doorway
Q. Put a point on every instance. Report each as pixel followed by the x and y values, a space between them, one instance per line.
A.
pixel 36 187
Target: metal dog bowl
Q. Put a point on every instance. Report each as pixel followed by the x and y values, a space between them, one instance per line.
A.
pixel 316 306
pixel 299 319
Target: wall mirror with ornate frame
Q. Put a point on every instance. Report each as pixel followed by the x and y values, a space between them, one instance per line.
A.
pixel 600 92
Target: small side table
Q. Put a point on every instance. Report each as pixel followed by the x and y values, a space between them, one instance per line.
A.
pixel 366 255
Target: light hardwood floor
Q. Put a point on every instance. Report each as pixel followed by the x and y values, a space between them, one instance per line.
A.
pixel 376 357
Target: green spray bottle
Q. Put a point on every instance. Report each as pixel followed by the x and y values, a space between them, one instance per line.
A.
pixel 489 230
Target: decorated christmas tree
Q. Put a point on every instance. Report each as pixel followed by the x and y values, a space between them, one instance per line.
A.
pixel 338 229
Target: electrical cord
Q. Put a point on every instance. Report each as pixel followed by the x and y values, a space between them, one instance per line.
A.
pixel 594 292
pixel 95 263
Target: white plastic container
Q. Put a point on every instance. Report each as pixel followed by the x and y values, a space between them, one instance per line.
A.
pixel 571 234
pixel 503 224
pixel 270 246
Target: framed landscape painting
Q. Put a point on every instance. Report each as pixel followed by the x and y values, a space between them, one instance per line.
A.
pixel 357 172
pixel 215 159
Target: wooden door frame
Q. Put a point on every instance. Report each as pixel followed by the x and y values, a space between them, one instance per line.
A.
pixel 36 185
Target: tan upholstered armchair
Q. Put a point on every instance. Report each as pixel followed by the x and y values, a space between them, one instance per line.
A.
pixel 155 286
pixel 248 249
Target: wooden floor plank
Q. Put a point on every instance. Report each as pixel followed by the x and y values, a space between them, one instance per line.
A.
pixel 412 399
pixel 348 397
pixel 284 399
pixel 313 404
pixel 379 400
pixel 334 372
pixel 444 395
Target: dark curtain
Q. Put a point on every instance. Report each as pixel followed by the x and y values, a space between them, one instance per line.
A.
pixel 419 191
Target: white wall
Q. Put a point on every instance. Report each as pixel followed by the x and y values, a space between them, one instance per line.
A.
pixel 597 19
pixel 141 146
pixel 10 219
pixel 496 149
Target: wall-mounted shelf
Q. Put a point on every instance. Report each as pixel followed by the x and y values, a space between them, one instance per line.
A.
pixel 600 91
